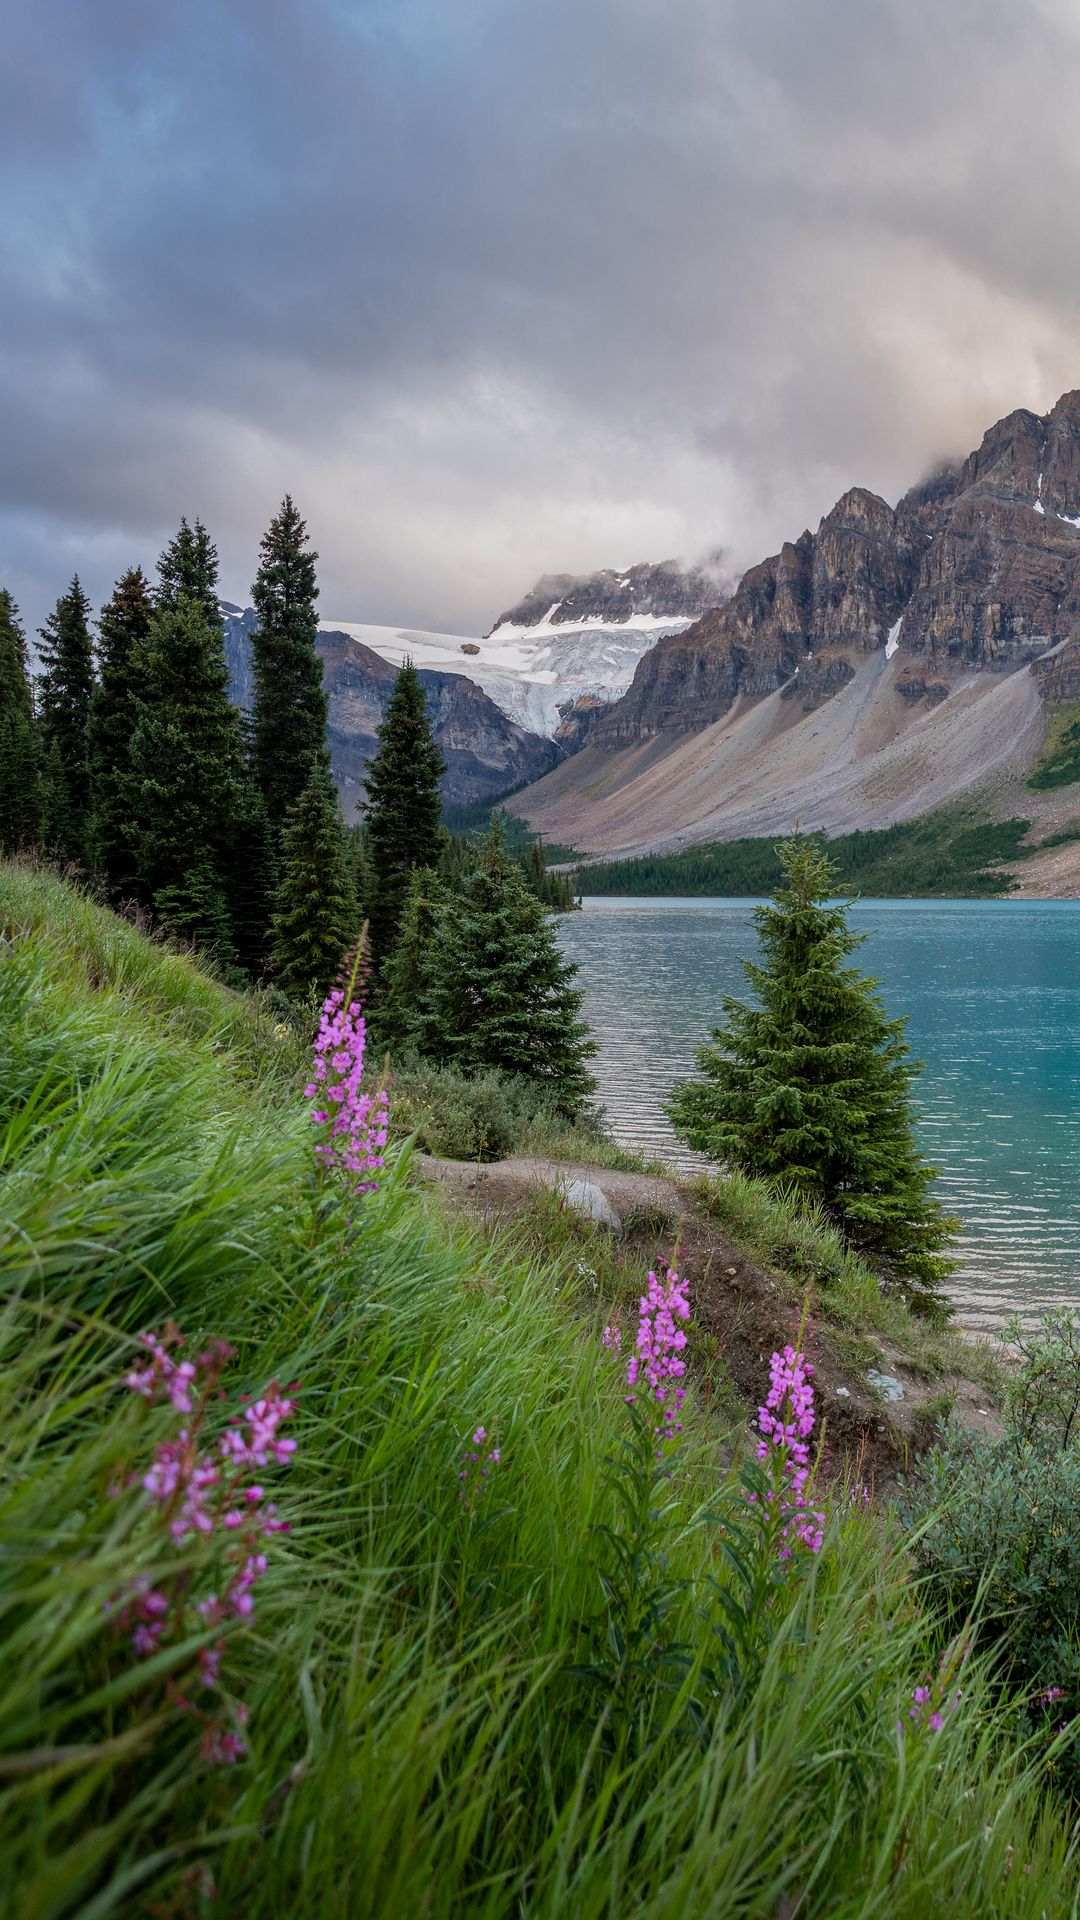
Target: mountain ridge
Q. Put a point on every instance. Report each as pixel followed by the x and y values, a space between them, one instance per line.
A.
pixel 898 658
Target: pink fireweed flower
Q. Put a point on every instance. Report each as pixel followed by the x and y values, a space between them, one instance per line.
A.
pixel 660 1341
pixel 786 1422
pixel 611 1338
pixel 476 1463
pixel 355 1122
pixel 164 1378
pixel 928 1705
pixel 201 1488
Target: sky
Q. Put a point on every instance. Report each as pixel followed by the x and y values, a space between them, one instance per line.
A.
pixel 496 288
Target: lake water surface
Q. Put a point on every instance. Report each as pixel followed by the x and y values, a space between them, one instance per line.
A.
pixel 992 989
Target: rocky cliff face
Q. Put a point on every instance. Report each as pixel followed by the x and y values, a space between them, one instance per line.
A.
pixel 663 592
pixel 485 752
pixel 977 569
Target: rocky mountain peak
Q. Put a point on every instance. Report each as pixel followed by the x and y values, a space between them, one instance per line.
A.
pixel 644 593
pixel 978 568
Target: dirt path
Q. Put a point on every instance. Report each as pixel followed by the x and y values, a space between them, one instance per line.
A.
pixel 747 1311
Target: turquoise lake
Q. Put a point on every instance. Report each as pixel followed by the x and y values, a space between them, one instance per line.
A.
pixel 992 991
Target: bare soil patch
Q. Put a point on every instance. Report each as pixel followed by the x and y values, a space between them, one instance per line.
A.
pixel 747 1311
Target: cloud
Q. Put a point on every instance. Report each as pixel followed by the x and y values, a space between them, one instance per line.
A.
pixel 496 290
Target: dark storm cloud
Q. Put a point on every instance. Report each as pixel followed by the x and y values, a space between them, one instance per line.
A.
pixel 498 286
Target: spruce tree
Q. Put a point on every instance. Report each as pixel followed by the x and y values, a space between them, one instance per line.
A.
pixel 186 774
pixel 66 692
pixel 502 994
pixel 189 564
pixel 813 1084
pixel 403 808
pixel 316 919
pixel 250 875
pixel 21 793
pixel 405 1016
pixel 290 700
pixel 124 631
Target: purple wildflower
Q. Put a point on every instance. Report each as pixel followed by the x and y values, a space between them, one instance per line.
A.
pixel 355 1121
pixel 197 1490
pixel 477 1462
pixel 786 1422
pixel 656 1356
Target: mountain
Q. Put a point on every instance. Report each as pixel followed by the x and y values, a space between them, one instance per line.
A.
pixel 485 751
pixel 895 658
pixel 643 593
pixel 572 639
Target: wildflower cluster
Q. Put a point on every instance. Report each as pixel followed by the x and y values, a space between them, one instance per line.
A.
pixel 933 1699
pixel 355 1122
pixel 660 1341
pixel 785 1423
pixel 201 1488
pixel 476 1464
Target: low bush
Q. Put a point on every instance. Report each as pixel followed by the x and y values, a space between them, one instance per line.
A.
pixel 465 1116
pixel 996 1523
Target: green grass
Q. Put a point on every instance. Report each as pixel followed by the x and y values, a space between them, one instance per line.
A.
pixel 949 853
pixel 1058 765
pixel 419 1743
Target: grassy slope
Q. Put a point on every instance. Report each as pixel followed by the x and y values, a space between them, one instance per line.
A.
pixel 950 853
pixel 417 1745
pixel 1058 765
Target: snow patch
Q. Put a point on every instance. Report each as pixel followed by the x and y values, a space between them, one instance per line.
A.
pixel 528 671
pixel 893 641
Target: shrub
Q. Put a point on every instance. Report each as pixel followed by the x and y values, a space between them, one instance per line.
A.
pixel 460 1116
pixel 997 1525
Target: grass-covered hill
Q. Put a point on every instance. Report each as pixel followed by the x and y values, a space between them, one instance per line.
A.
pixel 449 1697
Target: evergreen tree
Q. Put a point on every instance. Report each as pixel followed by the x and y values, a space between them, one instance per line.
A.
pixel 813 1085
pixel 403 808
pixel 316 919
pixel 405 1017
pixel 21 793
pixel 66 692
pixel 290 700
pixel 124 632
pixel 189 565
pixel 251 876
pixel 186 774
pixel 501 992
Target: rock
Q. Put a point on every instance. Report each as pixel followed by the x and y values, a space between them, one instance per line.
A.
pixel 586 1198
pixel 469 646
pixel 577 720
pixel 886 1384
pixel 843 1393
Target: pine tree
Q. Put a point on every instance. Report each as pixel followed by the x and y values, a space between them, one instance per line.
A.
pixel 186 774
pixel 813 1085
pixel 21 792
pixel 403 808
pixel 66 692
pixel 316 918
pixel 290 700
pixel 124 631
pixel 502 995
pixel 189 564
